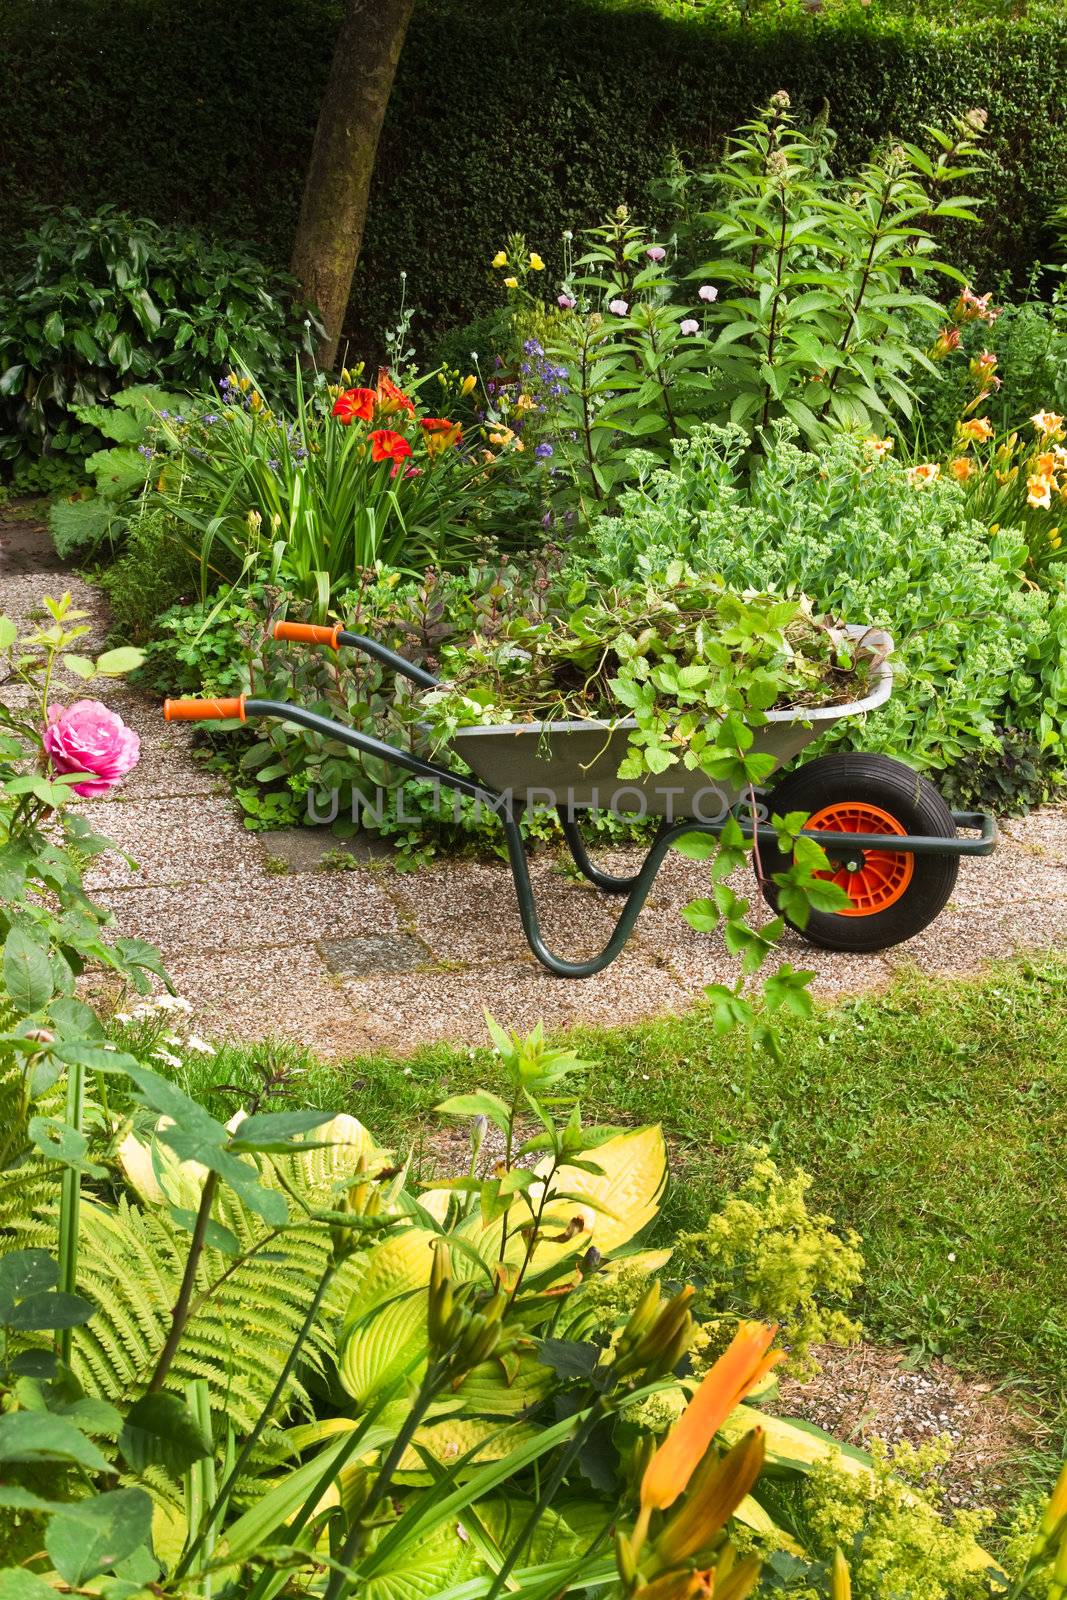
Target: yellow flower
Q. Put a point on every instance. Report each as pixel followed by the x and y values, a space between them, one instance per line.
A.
pixel 927 472
pixel 536 264
pixel 525 402
pixel 500 259
pixel 1045 464
pixel 501 437
pixel 469 384
pixel 1039 491
pixel 1047 423
pixel 511 283
pixel 1054 538
pixel 962 468
pixel 879 448
pixel 979 429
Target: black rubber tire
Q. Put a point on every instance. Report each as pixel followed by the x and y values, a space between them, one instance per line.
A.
pixel 915 804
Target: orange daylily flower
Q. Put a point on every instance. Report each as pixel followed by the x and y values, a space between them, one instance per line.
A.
pixel 390 398
pixel 979 429
pixel 733 1376
pixel 1047 424
pixel 354 403
pixel 926 472
pixel 388 446
pixel 440 433
pixel 1039 491
pixel 962 468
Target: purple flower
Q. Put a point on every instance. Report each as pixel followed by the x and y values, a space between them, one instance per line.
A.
pixel 618 308
pixel 532 348
pixel 656 252
pixel 543 452
pixel 146 451
pixel 209 419
pixel 708 292
pixel 566 302
pixel 690 325
pixel 546 520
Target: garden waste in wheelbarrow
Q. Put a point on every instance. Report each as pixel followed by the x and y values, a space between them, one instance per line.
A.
pixel 855 803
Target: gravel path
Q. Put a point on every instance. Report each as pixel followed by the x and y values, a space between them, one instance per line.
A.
pixel 263 941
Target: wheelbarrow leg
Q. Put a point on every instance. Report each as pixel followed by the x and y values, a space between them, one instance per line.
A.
pixel 636 896
pixel 576 844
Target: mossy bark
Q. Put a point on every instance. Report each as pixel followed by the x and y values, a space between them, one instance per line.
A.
pixel 334 206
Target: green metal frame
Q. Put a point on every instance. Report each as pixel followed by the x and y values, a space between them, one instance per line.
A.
pixel 637 886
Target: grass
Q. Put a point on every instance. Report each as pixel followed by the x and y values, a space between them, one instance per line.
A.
pixel 933 1120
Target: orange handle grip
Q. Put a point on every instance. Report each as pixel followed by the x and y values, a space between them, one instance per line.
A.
pixel 308 633
pixel 204 710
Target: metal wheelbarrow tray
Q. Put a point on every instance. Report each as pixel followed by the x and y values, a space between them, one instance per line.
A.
pixel 893 844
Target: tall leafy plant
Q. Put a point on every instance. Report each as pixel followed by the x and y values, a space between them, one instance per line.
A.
pixel 780 290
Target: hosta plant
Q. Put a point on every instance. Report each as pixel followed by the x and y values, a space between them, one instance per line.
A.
pixel 504 1397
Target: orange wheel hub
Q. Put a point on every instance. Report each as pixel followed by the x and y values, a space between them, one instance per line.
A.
pixel 884 875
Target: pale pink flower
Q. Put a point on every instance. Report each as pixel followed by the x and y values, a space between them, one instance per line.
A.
pixel 618 308
pixel 656 252
pixel 566 302
pixel 690 325
pixel 708 292
pixel 87 737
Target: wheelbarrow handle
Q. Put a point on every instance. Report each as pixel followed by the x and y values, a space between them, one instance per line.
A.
pixel 335 637
pixel 204 710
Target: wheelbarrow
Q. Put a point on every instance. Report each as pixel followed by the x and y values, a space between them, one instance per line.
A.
pixel 892 842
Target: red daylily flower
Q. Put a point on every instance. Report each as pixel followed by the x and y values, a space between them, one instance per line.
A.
pixel 390 398
pixel 353 404
pixel 385 445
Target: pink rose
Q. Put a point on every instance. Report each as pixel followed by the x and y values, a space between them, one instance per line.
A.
pixel 87 737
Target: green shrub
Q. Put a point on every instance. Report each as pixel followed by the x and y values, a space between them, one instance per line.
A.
pixel 593 94
pixel 90 303
pixel 153 572
pixel 977 649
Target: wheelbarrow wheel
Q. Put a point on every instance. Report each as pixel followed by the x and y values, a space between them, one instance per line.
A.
pixel 894 894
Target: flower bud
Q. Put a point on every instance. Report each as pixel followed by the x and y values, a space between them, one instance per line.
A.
pixel 840 1578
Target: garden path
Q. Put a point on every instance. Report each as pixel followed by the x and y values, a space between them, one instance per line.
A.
pixel 264 940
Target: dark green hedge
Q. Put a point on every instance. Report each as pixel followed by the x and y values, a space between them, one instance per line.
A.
pixel 530 114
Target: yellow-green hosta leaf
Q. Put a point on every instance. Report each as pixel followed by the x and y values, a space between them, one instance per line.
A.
pixel 384 1325
pixel 450 1439
pixel 752 1515
pixel 620 1200
pixel 487 1391
pixel 425 1570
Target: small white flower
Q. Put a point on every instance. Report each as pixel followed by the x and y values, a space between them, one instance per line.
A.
pixel 167 1059
pixel 407 1072
pixel 123 1017
pixel 194 1042
pixel 952 1255
pixel 172 1002
pixel 172 1038
pixel 109 1046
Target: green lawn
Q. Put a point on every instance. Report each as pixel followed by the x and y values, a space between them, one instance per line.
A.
pixel 932 1119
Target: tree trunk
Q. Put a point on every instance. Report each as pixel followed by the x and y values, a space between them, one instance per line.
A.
pixel 333 210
